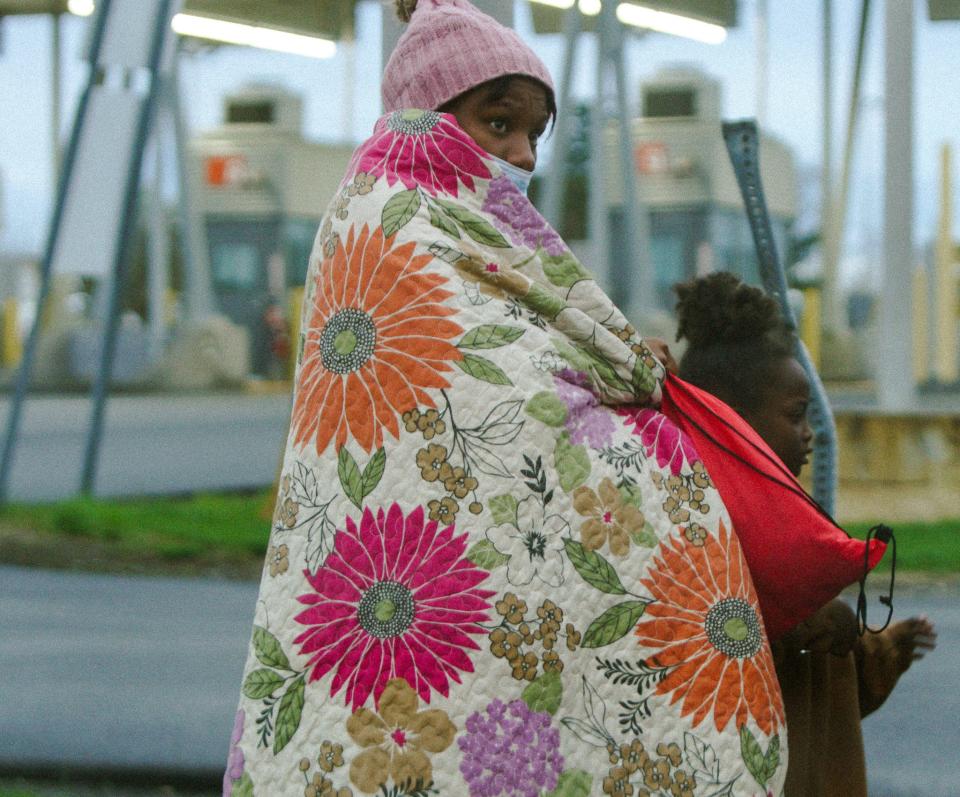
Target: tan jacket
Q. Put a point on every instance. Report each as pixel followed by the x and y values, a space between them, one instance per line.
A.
pixel 825 697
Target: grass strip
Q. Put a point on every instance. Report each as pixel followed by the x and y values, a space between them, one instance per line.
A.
pixel 174 528
pixel 932 547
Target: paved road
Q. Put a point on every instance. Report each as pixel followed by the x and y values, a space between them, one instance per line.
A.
pixel 139 672
pixel 151 444
pixel 119 672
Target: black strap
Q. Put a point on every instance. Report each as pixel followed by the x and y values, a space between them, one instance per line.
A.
pixel 884 534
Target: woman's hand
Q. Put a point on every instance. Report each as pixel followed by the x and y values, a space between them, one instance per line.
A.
pixel 661 351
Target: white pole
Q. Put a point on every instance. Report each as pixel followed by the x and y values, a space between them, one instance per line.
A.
pixel 895 389
pixel 762 45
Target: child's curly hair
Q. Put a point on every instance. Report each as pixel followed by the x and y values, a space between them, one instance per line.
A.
pixel 735 333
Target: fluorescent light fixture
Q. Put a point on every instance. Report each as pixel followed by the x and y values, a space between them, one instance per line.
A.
pixel 265 38
pixel 589 8
pixel 556 3
pixel 82 8
pixel 674 24
pixel 234 33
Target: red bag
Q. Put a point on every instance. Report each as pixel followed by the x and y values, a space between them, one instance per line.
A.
pixel 799 558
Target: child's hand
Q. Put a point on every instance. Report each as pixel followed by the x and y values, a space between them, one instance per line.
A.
pixel 911 639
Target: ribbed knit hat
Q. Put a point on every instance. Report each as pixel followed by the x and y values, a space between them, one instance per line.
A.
pixel 448 48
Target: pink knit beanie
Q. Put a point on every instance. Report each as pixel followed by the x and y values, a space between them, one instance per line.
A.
pixel 448 48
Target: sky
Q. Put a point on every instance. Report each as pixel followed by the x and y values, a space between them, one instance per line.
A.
pixel 341 100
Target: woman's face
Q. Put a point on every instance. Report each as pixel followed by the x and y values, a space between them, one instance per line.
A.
pixel 507 124
pixel 781 417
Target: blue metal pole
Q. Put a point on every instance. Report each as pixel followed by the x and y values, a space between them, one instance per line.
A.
pixel 69 161
pixel 122 256
pixel 742 142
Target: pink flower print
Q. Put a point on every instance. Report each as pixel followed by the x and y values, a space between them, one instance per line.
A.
pixel 395 599
pixel 661 438
pixel 421 148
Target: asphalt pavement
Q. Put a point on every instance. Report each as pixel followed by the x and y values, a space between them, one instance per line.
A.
pixel 152 445
pixel 107 673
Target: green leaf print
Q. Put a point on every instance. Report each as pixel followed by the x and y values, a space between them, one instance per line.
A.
pixel 485 556
pixel 642 378
pixel 545 693
pixel 772 758
pixel 478 228
pixel 244 787
pixel 604 369
pixel 490 336
pixel 482 369
pixel 615 623
pixel 564 270
pixel 262 683
pixel 542 301
pixel 503 508
pixel 572 783
pixel 350 477
pixel 267 649
pixel 288 714
pixel 594 569
pixel 646 537
pixel 373 472
pixel 547 408
pixel 761 766
pixel 398 210
pixel 443 224
pixel 572 463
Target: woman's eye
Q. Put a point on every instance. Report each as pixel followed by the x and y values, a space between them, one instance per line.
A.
pixel 499 125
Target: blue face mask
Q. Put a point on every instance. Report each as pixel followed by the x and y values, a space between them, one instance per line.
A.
pixel 519 177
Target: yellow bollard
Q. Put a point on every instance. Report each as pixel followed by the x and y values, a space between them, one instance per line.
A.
pixel 12 348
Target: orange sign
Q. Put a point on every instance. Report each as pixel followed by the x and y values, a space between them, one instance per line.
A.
pixel 651 158
pixel 223 170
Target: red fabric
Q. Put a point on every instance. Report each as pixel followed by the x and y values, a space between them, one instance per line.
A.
pixel 798 557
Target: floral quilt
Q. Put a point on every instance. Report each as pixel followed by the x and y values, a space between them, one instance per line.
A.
pixel 494 568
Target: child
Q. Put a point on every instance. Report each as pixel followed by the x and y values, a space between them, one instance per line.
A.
pixel 741 350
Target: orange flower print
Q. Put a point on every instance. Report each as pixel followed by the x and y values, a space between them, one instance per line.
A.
pixel 706 626
pixel 377 341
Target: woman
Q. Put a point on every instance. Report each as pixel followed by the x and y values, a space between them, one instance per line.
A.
pixel 495 568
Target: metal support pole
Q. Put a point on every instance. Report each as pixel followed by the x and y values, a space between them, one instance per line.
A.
pixel 599 212
pixel 124 241
pixel 835 223
pixel 895 388
pixel 634 267
pixel 198 298
pixel 69 160
pixel 158 254
pixel 763 60
pixel 56 94
pixel 556 177
pixel 829 290
pixel 743 144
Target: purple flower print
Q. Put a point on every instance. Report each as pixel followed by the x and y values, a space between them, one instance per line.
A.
pixel 510 751
pixel 235 761
pixel 519 219
pixel 587 421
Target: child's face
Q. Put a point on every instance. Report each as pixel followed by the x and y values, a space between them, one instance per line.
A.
pixel 506 124
pixel 781 418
